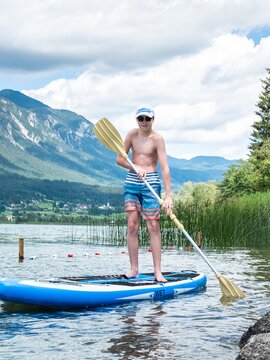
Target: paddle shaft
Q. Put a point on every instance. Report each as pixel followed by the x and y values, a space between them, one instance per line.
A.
pixel 173 218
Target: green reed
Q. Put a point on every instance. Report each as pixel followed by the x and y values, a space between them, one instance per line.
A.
pixel 238 222
pixel 112 231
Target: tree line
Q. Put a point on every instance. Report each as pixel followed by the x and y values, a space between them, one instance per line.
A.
pixel 15 188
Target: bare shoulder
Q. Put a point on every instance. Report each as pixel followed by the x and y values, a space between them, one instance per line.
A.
pixel 132 133
pixel 157 137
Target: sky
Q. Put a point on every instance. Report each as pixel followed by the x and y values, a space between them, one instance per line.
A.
pixel 198 63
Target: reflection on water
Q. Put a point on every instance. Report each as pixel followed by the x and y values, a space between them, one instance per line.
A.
pixel 258 271
pixel 140 336
pixel 147 329
pixel 104 235
pixel 13 308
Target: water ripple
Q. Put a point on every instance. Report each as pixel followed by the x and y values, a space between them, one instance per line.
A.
pixel 179 328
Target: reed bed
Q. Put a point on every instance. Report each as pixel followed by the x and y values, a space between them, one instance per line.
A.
pixel 239 222
pixel 112 231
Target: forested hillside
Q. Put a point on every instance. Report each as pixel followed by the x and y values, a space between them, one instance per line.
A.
pixel 19 188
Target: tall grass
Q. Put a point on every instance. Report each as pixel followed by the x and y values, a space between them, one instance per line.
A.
pixel 238 222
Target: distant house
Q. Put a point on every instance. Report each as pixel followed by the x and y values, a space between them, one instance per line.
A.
pixel 82 207
pixel 106 207
pixel 10 218
pixel 31 207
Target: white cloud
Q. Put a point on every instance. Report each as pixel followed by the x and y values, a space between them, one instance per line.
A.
pixel 207 100
pixel 190 59
pixel 117 35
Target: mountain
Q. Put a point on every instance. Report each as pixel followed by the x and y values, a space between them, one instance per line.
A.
pixel 202 163
pixel 40 142
pixel 199 168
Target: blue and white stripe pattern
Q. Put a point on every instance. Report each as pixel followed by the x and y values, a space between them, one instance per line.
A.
pixel 138 197
pixel 151 177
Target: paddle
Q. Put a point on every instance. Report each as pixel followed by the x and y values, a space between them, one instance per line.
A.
pixel 110 137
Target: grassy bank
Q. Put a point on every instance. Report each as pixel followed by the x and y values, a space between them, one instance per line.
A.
pixel 238 222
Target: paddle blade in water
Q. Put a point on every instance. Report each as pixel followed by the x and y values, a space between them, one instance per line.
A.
pixel 228 288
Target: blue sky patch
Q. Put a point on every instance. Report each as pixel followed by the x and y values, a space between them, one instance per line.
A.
pixel 257 33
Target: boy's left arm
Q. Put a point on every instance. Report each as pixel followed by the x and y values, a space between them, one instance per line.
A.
pixel 163 160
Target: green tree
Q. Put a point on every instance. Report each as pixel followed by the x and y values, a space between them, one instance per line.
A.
pixel 260 139
pixel 260 161
pixel 261 127
pixel 199 194
pixel 240 179
pixel 253 175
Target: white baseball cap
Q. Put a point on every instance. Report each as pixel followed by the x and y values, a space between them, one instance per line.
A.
pixel 145 110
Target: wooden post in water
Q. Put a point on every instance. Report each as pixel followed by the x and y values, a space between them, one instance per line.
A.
pixel 198 238
pixel 21 249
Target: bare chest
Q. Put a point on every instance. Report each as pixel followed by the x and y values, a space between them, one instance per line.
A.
pixel 144 147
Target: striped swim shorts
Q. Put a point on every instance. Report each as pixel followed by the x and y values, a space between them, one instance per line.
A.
pixel 138 197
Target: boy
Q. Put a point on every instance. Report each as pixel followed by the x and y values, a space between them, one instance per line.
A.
pixel 148 148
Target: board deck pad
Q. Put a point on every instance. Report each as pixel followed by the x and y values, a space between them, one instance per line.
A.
pixel 143 279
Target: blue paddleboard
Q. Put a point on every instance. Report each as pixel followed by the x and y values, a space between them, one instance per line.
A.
pixel 90 291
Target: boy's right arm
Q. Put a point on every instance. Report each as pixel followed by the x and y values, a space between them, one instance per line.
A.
pixel 124 163
pixel 119 159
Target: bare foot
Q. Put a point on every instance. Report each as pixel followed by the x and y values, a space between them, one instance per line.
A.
pixel 131 274
pixel 160 278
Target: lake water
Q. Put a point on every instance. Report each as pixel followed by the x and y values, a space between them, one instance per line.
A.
pixel 186 327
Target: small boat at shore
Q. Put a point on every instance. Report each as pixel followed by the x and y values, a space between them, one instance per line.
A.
pixel 91 291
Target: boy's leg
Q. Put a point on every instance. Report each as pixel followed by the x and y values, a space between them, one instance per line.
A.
pixel 133 209
pixel 151 213
pixel 132 241
pixel 155 239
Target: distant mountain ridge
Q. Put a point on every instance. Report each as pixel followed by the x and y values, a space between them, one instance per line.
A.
pixel 38 141
pixel 202 162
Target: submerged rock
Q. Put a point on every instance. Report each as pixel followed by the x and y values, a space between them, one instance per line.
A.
pixel 255 342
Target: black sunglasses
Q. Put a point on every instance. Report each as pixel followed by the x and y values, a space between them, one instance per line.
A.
pixel 142 118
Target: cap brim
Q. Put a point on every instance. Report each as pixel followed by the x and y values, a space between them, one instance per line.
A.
pixel 145 113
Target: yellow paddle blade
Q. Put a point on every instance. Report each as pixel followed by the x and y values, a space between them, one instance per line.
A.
pixel 110 137
pixel 228 288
